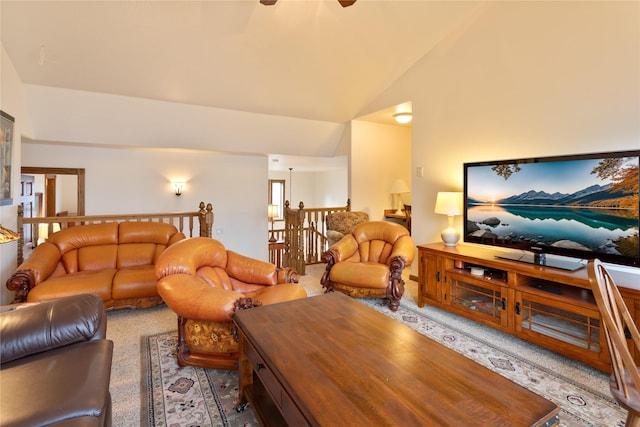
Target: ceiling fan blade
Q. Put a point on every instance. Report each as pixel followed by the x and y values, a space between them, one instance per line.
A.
pixel 344 3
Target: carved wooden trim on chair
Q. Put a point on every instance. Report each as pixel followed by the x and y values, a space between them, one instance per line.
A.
pixel 396 284
pixel 197 339
pixel 21 282
pixel 393 292
pixel 326 283
pixel 244 303
pixel 210 344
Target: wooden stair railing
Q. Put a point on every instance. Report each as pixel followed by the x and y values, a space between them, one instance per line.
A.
pixel 183 221
pixel 305 234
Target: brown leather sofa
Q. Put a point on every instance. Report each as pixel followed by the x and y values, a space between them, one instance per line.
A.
pixel 368 262
pixel 204 284
pixel 55 364
pixel 113 260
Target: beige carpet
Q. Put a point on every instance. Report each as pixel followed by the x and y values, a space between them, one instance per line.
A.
pixel 126 327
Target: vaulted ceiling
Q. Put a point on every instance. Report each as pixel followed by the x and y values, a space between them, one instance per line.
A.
pixel 299 58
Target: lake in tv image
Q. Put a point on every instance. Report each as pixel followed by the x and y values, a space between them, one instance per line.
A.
pixel 578 204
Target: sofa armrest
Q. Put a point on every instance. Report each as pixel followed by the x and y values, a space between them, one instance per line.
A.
pixel 21 282
pixel 52 324
pixel 345 248
pixel 287 275
pixel 250 270
pixel 404 248
pixel 42 262
pixel 192 298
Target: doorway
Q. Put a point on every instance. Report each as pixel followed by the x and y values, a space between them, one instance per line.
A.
pixel 29 204
pixel 51 190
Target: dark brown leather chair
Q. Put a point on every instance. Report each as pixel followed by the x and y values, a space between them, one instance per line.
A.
pixel 55 363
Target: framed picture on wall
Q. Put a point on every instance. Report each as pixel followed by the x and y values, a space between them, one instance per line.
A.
pixel 6 139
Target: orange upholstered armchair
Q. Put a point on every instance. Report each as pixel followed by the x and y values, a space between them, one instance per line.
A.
pixel 368 263
pixel 204 284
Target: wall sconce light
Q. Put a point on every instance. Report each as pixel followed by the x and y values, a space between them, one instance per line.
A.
pixel 272 213
pixel 450 204
pixel 403 118
pixel 399 187
pixel 178 187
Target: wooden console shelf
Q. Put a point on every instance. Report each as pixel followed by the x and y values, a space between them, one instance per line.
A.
pixel 546 306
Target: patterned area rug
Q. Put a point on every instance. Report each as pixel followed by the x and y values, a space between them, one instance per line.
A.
pixel 174 396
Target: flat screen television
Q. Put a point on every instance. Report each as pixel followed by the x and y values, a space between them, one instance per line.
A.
pixel 580 206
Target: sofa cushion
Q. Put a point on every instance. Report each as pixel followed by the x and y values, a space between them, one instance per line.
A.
pixel 31 329
pixel 86 282
pixel 147 232
pixel 375 251
pixel 136 254
pixel 341 223
pixel 87 235
pixel 94 258
pixel 344 222
pixel 135 282
pixel 361 274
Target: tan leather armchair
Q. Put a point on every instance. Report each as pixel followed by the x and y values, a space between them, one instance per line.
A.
pixel 204 284
pixel 341 223
pixel 368 263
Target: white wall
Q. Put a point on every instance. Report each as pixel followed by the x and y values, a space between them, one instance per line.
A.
pixel 138 181
pixel 315 188
pixel 332 188
pixel 97 118
pixel 67 194
pixel 524 79
pixel 12 101
pixel 380 154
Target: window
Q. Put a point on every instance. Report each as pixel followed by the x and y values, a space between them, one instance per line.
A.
pixel 276 196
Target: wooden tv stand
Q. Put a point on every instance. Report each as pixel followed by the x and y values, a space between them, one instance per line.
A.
pixel 550 307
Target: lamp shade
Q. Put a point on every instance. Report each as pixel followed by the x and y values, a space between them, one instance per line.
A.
pixel 449 203
pixel 272 211
pixel 399 186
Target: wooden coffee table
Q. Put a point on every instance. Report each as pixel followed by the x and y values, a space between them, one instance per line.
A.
pixel 330 360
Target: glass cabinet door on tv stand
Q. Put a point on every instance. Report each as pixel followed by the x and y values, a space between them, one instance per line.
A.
pixel 569 323
pixel 480 297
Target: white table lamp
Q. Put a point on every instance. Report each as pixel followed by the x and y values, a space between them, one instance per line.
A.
pixel 450 204
pixel 399 187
